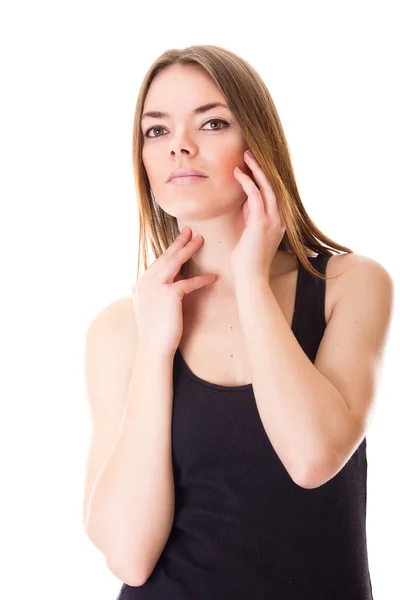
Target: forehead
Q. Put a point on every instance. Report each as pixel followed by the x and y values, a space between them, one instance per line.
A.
pixel 180 89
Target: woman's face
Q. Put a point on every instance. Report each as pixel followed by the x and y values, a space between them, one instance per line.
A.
pixel 210 141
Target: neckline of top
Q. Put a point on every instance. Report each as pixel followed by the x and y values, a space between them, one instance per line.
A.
pixel 248 387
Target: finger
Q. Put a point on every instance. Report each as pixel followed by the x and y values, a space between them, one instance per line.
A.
pixel 186 286
pixel 174 262
pixel 255 199
pixel 162 265
pixel 265 185
pixel 180 241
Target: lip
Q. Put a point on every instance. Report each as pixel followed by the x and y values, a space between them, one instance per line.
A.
pixel 185 173
pixel 186 180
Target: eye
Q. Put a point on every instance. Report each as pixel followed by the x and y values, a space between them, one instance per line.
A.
pixel 151 129
pixel 217 121
pixel 224 124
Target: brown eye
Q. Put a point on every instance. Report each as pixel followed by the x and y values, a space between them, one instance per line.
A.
pixel 151 128
pixel 224 125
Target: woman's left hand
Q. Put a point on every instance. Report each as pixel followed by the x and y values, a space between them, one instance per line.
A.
pixel 264 225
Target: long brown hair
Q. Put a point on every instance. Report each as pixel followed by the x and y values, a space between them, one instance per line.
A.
pixel 251 103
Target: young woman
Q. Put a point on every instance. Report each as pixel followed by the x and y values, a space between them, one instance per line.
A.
pixel 230 394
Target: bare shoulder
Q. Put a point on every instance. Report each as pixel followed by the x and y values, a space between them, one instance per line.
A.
pixel 351 259
pixel 339 263
pixel 351 266
pixel 353 262
pixel 116 324
pixel 119 313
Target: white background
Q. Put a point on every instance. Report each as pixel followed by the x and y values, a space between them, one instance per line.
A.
pixel 70 74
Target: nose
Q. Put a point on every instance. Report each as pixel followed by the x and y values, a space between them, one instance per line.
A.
pixel 182 144
pixel 181 151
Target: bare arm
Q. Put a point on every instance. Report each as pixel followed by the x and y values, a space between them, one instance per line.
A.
pixel 131 508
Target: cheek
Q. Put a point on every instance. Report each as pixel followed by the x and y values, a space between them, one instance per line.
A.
pixel 228 166
pixel 150 165
pixel 228 162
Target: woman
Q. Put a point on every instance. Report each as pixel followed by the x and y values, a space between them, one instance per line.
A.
pixel 230 398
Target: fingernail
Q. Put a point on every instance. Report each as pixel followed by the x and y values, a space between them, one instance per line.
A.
pixel 250 154
pixel 185 228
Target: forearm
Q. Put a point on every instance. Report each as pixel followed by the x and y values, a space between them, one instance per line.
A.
pixel 132 505
pixel 302 412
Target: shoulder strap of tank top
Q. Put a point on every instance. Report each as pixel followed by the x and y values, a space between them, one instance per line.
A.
pixel 319 263
pixel 310 306
pixel 319 285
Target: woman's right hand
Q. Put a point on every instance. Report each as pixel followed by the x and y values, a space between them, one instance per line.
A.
pixel 157 296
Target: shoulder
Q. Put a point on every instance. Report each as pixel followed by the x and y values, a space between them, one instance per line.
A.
pixel 114 326
pixel 352 264
pixel 360 278
pixel 338 264
pixel 117 314
pixel 344 267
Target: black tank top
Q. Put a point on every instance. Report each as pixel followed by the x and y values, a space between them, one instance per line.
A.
pixel 242 528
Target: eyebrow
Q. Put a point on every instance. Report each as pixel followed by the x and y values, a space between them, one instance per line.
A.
pixel 156 114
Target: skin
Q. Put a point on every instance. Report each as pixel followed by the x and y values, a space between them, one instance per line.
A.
pixel 314 440
pixel 213 206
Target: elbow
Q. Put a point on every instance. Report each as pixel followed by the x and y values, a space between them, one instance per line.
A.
pixel 308 482
pixel 315 475
pixel 128 576
pixel 125 572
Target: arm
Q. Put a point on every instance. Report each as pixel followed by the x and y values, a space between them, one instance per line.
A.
pixel 287 386
pixel 316 414
pixel 131 507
